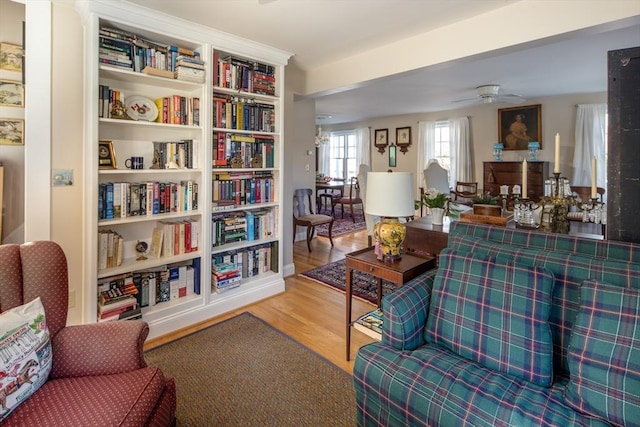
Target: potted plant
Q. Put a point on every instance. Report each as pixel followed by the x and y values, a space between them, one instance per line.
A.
pixel 437 202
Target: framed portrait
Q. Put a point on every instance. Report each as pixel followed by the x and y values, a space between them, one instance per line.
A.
pixel 392 156
pixel 11 132
pixel 10 57
pixel 11 94
pixel 381 139
pixel 106 155
pixel 518 126
pixel 403 138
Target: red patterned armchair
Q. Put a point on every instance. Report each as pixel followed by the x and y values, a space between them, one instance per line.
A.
pixel 99 376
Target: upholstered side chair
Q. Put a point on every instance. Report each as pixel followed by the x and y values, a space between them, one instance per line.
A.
pixel 99 376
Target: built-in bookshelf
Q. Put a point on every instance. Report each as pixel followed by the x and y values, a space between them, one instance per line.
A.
pixel 183 180
pixel 246 187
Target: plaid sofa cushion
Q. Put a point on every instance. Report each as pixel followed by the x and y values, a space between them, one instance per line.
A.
pixel 569 269
pixel 432 386
pixel 604 354
pixel 494 314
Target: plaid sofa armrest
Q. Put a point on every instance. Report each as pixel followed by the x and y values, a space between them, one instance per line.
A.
pixel 405 313
pixel 99 349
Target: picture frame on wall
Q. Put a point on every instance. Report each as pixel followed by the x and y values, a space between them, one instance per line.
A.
pixel 11 94
pixel 392 156
pixel 10 57
pixel 381 139
pixel 106 155
pixel 518 126
pixel 11 132
pixel 403 138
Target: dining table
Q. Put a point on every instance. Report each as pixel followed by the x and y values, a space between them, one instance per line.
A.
pixel 325 190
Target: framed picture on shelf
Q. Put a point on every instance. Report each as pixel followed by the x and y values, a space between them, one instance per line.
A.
pixel 11 132
pixel 392 156
pixel 381 139
pixel 403 138
pixel 10 57
pixel 106 155
pixel 518 126
pixel 11 94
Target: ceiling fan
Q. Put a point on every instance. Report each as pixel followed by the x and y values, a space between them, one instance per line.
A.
pixel 487 94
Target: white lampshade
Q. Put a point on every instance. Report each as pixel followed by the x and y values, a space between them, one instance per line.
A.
pixel 390 194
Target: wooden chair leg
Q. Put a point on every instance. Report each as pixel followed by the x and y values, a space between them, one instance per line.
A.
pixel 309 235
pixel 353 217
pixel 331 232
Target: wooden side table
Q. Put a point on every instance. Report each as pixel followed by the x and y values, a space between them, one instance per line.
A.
pixel 399 273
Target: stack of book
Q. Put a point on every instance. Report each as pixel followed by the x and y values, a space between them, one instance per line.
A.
pixel 370 324
pixel 118 301
pixel 225 276
pixel 190 69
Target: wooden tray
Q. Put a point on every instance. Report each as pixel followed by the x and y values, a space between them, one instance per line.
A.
pixel 469 216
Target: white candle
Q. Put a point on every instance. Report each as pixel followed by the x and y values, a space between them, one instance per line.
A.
pixel 556 166
pixel 524 179
pixel 594 175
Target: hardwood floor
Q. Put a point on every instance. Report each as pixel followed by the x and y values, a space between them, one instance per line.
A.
pixel 308 312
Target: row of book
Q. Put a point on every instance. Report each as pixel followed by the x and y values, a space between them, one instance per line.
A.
pixel 240 225
pixel 241 188
pixel 130 51
pixel 178 110
pixel 110 249
pixel 237 73
pixel 228 269
pixel 236 150
pixel 168 238
pixel 234 112
pixel 172 238
pixel 125 199
pixel 123 296
pixel 181 154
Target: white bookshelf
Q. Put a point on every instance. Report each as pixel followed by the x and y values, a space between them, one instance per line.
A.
pixel 134 138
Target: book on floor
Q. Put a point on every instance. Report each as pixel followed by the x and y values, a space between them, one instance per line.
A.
pixel 370 324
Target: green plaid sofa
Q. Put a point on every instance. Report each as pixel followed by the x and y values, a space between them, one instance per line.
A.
pixel 488 339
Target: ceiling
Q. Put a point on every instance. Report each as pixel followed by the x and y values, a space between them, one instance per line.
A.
pixel 318 32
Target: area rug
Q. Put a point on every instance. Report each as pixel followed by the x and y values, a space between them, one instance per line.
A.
pixel 244 372
pixel 342 226
pixel 363 285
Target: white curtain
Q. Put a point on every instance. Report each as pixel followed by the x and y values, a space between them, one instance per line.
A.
pixel 426 149
pixel 323 159
pixel 591 122
pixel 363 152
pixel 461 164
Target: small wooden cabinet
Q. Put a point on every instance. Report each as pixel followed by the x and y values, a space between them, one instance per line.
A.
pixel 510 173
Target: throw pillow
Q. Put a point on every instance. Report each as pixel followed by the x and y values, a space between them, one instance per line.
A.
pixel 25 354
pixel 604 353
pixel 494 314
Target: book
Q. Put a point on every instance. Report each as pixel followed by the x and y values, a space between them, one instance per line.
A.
pixel 370 323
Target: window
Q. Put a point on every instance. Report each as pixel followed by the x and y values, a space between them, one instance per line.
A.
pixel 342 155
pixel 442 147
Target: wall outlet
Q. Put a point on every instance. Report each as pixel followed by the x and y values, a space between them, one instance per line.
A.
pixel 307 168
pixel 72 299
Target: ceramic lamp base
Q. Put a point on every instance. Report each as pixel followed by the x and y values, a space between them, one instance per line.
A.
pixel 389 235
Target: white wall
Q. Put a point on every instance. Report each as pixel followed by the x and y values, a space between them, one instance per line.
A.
pixel 67 147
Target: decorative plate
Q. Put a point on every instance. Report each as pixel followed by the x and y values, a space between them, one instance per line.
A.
pixel 141 108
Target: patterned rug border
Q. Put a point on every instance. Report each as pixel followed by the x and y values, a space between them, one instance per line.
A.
pixel 342 226
pixel 358 278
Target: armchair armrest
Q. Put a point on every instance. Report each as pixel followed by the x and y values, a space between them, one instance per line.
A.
pixel 405 313
pixel 99 348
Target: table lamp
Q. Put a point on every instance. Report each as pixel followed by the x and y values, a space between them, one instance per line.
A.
pixel 389 195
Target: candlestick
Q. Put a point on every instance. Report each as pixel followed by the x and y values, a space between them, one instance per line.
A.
pixel 524 179
pixel 594 175
pixel 556 166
